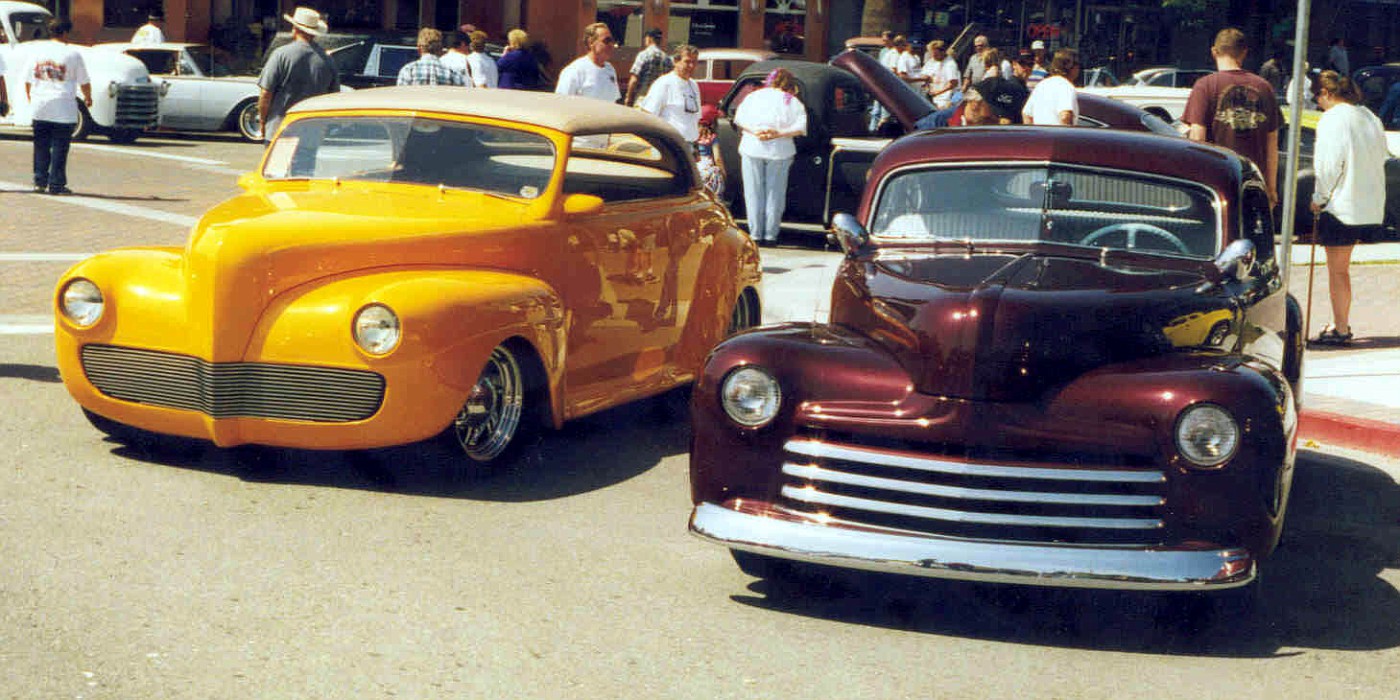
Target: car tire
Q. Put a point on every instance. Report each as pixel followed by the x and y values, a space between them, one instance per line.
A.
pixel 123 136
pixel 746 313
pixel 83 128
pixel 500 415
pixel 1218 332
pixel 247 122
pixel 145 441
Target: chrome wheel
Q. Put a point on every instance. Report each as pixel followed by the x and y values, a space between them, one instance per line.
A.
pixel 248 122
pixel 745 315
pixel 491 417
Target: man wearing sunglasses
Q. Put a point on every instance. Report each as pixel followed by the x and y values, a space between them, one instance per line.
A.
pixel 675 97
pixel 591 75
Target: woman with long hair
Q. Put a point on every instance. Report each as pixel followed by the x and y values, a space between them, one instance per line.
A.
pixel 770 118
pixel 1349 189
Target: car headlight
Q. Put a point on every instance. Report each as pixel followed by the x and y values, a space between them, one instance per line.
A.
pixel 751 396
pixel 81 302
pixel 376 329
pixel 1207 435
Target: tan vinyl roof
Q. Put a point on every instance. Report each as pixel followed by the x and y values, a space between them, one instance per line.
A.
pixel 569 114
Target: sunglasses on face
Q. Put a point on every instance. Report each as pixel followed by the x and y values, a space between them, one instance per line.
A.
pixel 608 40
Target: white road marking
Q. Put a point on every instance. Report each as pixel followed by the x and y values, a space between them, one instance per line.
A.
pixel 113 207
pixel 44 257
pixel 129 151
pixel 25 324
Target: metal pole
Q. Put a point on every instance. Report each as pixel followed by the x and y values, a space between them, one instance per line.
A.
pixel 1295 131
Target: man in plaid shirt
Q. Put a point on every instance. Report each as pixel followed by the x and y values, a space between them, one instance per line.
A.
pixel 651 63
pixel 428 70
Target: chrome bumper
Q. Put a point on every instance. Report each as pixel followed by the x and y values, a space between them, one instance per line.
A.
pixel 762 529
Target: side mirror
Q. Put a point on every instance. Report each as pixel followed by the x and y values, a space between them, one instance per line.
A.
pixel 582 204
pixel 247 181
pixel 849 234
pixel 1236 261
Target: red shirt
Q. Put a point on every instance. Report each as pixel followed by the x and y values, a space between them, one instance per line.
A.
pixel 1238 110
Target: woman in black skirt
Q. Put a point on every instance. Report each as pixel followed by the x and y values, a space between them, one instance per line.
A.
pixel 1349 195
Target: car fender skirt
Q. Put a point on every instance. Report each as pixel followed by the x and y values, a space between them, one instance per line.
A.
pixel 764 529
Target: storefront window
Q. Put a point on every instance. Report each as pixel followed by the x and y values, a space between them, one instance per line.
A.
pixel 624 20
pixel 704 23
pixel 128 13
pixel 784 25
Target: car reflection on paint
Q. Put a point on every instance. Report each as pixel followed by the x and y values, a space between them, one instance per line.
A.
pixel 1023 379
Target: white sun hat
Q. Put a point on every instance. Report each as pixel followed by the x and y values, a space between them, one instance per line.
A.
pixel 307 20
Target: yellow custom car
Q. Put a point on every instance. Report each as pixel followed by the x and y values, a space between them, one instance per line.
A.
pixel 417 262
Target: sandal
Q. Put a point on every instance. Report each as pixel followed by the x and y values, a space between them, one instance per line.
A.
pixel 1330 336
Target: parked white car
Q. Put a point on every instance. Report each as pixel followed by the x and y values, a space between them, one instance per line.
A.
pixel 1160 91
pixel 125 101
pixel 203 93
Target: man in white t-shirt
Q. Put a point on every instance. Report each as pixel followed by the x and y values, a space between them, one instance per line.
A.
pixel 456 57
pixel 889 58
pixel 906 64
pixel 150 32
pixel 675 96
pixel 1054 100
pixel 53 74
pixel 941 72
pixel 590 75
pixel 483 68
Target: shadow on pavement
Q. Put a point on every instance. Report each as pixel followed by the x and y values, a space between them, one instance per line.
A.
pixel 1359 343
pixel 1321 589
pixel 588 454
pixel 38 373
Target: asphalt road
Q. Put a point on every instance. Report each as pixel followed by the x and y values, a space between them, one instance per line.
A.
pixel 284 574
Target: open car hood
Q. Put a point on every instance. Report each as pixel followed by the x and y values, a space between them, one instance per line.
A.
pixel 1011 325
pixel 904 102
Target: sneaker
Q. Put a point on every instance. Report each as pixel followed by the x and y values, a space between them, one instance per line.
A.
pixel 60 190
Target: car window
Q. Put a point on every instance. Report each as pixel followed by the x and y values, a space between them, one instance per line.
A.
pixel 1099 209
pixel 156 62
pixel 1258 222
pixel 729 70
pixel 620 167
pixel 187 66
pixel 1163 79
pixel 393 58
pixel 30 26
pixel 413 150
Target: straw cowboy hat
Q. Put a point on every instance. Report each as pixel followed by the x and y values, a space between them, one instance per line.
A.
pixel 307 20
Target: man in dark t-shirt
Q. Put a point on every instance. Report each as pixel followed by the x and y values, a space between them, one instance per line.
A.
pixel 296 71
pixel 1236 109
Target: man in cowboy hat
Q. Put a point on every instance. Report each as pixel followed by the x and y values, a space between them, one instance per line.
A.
pixel 296 71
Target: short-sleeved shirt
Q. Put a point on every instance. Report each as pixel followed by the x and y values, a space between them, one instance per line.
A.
pixel 294 72
pixel 940 74
pixel 586 78
pixel 650 64
pixel 906 63
pixel 54 70
pixel 1053 95
pixel 148 34
pixel 678 102
pixel 483 70
pixel 1238 110
pixel 1038 73
pixel 456 60
pixel 428 70
pixel 976 69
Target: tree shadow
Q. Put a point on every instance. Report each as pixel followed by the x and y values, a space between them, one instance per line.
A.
pixel 37 373
pixel 1321 589
pixel 588 454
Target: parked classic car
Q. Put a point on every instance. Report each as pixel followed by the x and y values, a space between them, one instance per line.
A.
pixel 413 262
pixel 203 93
pixel 717 68
pixel 837 151
pixel 1022 380
pixel 1159 91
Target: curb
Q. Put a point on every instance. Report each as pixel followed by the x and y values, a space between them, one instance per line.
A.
pixel 1363 434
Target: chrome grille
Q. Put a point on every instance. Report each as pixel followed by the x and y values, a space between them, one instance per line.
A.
pixel 233 389
pixel 138 106
pixel 914 491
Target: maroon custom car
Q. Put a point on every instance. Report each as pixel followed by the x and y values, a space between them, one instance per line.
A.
pixel 1059 357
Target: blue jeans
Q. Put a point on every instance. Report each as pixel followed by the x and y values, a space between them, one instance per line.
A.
pixel 51 141
pixel 765 195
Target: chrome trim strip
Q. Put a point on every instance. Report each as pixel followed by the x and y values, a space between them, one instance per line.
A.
pixel 813 496
pixel 825 450
pixel 816 473
pixel 941 557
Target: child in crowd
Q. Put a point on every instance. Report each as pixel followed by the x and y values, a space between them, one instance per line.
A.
pixel 707 157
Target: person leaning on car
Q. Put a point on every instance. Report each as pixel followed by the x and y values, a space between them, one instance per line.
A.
pixel 1236 109
pixel 428 69
pixel 296 71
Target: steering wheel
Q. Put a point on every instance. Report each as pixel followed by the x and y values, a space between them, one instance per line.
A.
pixel 1132 230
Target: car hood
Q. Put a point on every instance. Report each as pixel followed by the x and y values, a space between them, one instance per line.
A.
pixel 904 102
pixel 1011 326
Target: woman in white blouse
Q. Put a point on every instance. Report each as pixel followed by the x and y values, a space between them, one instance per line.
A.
pixel 1349 191
pixel 769 118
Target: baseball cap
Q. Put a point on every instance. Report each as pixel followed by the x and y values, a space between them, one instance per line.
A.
pixel 708 115
pixel 1037 45
pixel 1005 97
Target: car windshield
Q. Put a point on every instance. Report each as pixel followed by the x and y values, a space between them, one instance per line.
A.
pixel 413 150
pixel 1098 209
pixel 30 26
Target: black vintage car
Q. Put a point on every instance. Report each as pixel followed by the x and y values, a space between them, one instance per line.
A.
pixel 832 160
